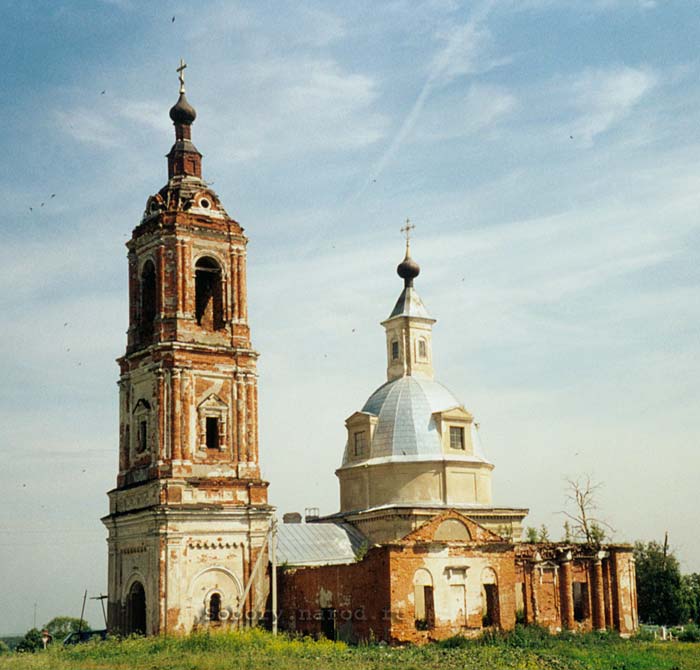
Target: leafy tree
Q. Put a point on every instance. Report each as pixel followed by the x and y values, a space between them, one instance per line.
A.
pixel 543 534
pixel 31 641
pixel 531 534
pixel 598 534
pixel 660 592
pixel 568 534
pixel 691 596
pixel 4 649
pixel 59 627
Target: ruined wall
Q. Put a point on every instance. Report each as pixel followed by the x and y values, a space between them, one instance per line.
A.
pixel 448 577
pixel 577 587
pixel 458 574
pixel 350 601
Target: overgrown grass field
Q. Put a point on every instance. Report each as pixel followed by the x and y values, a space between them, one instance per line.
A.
pixel 524 649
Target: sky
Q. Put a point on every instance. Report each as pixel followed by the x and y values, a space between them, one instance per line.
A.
pixel 547 151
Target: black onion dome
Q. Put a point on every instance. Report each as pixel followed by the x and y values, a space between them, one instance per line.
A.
pixel 182 111
pixel 408 269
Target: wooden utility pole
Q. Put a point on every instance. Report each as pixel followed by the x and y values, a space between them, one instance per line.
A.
pixel 273 576
pixel 82 614
pixel 102 599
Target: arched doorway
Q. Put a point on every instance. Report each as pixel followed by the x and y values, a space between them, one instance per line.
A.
pixel 423 600
pixel 136 610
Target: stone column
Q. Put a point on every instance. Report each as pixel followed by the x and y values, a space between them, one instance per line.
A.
pixel 598 594
pixel 160 414
pixel 241 419
pixel 133 295
pixel 249 421
pixel 243 288
pixel 176 449
pixel 566 589
pixel 161 299
pixel 125 430
pixel 608 595
pixel 254 420
pixel 234 285
pixel 186 403
pixel 182 276
pixel 534 588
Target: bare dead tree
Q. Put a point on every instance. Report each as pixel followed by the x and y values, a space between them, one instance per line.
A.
pixel 582 495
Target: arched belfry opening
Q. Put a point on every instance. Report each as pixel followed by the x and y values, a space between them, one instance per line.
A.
pixel 136 610
pixel 208 294
pixel 148 301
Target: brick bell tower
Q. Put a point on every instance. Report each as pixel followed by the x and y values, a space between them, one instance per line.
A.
pixel 189 518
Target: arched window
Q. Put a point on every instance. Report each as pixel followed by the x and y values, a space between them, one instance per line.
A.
pixel 148 301
pixel 208 298
pixel 215 607
pixel 395 350
pixel 422 349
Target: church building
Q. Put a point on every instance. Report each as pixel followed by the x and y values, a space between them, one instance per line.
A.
pixel 417 551
pixel 434 557
pixel 188 520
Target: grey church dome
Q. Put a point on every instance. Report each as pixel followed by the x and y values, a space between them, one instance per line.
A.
pixel 405 428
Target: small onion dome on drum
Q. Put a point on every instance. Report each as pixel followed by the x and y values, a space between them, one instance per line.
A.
pixel 182 112
pixel 408 269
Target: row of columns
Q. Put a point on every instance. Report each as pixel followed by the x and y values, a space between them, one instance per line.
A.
pixel 598 599
pixel 602 592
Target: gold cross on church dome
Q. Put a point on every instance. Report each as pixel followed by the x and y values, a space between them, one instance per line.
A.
pixel 181 75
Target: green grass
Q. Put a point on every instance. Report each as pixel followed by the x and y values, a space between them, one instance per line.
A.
pixel 257 650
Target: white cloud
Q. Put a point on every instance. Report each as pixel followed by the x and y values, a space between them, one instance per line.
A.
pixel 89 127
pixel 294 104
pixel 605 97
pixel 320 28
pixel 479 107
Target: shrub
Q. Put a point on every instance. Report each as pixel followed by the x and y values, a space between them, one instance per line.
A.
pixel 31 641
pixel 691 633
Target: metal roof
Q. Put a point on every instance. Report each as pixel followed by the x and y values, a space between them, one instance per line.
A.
pixel 410 304
pixel 318 543
pixel 406 429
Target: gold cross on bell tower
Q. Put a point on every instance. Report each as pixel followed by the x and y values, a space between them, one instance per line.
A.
pixel 181 75
pixel 407 229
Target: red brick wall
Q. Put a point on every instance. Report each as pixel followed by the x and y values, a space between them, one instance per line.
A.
pixel 358 592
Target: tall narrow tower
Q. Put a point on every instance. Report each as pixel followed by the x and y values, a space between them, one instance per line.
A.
pixel 189 515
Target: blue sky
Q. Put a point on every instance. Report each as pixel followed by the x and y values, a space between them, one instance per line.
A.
pixel 547 151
